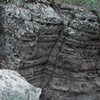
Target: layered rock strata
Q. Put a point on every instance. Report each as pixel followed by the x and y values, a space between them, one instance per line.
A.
pixel 59 52
pixel 75 74
pixel 31 34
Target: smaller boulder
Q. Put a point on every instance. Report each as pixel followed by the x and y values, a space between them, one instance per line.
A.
pixel 15 87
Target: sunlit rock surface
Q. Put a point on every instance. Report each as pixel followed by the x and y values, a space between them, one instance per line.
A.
pixel 15 87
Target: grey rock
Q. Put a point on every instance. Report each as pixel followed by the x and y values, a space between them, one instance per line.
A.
pixel 59 52
pixel 15 87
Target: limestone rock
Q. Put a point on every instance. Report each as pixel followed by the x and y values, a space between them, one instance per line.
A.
pixel 15 87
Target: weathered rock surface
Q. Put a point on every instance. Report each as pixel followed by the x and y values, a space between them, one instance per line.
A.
pixel 15 87
pixel 62 59
pixel 31 32
pixel 78 62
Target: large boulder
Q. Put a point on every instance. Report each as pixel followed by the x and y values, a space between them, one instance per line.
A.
pixel 75 74
pixel 15 87
pixel 59 52
pixel 31 33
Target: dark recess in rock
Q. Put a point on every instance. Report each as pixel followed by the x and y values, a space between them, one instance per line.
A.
pixel 2 40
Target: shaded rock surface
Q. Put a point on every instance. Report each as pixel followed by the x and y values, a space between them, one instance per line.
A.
pixel 15 87
pixel 59 52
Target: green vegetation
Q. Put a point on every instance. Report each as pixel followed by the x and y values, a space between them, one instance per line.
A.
pixel 90 4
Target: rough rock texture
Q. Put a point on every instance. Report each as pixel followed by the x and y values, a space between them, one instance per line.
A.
pixel 77 74
pixel 31 28
pixel 31 34
pixel 15 87
pixel 62 59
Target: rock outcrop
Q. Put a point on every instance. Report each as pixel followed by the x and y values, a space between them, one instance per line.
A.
pixel 76 69
pixel 15 87
pixel 59 52
pixel 31 34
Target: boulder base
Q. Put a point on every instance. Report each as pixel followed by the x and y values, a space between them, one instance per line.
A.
pixel 15 87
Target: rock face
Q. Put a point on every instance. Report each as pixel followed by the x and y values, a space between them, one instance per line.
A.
pixel 15 87
pixel 77 71
pixel 59 52
pixel 30 33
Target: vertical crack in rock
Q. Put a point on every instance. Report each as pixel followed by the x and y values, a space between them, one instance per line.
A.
pixel 47 62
